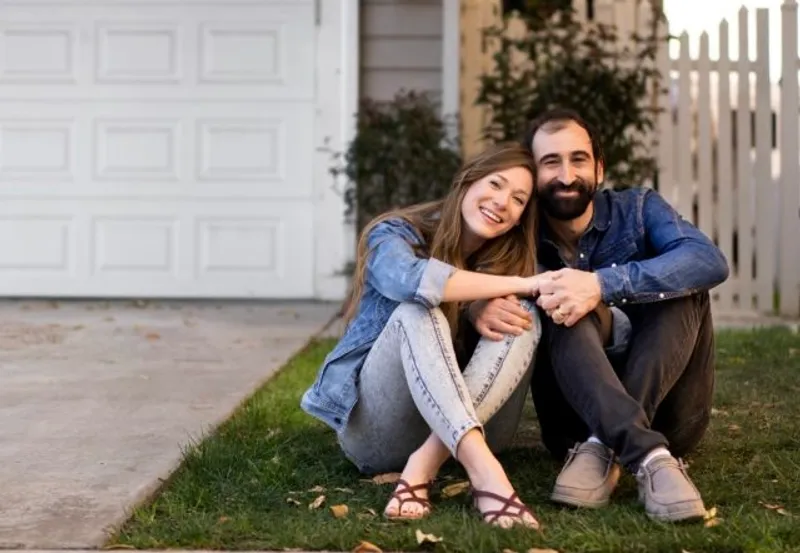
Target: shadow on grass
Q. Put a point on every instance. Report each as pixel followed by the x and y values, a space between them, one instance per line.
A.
pixel 249 486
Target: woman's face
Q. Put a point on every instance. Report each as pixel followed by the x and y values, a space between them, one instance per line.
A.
pixel 495 203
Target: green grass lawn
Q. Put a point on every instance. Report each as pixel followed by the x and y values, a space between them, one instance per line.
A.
pixel 249 486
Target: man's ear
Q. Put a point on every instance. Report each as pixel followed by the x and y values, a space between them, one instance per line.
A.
pixel 601 170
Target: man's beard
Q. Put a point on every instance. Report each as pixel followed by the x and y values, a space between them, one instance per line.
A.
pixel 566 208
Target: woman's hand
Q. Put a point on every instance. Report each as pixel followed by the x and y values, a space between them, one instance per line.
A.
pixel 531 285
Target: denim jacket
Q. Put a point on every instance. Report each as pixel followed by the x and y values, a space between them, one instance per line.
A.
pixel 642 250
pixel 394 274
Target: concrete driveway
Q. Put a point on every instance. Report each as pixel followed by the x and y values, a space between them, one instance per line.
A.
pixel 97 400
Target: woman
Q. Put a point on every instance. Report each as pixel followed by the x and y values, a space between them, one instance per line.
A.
pixel 392 388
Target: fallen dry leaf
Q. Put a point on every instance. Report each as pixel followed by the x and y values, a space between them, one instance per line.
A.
pixel 153 336
pixel 536 550
pixel 317 489
pixel 719 412
pixel 509 551
pixel 783 512
pixel 367 547
pixel 317 503
pixel 223 518
pixel 339 511
pixel 388 478
pixel 293 501
pixel 734 427
pixel 455 489
pixel 770 506
pixel 710 523
pixel 423 537
pixel 710 513
pixel 344 490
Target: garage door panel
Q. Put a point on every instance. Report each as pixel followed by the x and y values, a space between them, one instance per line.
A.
pixel 169 149
pixel 179 249
pixel 157 149
pixel 91 51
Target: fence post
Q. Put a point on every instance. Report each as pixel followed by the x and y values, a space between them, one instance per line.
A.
pixel 790 172
pixel 744 169
pixel 766 206
pixel 684 145
pixel 705 182
pixel 724 162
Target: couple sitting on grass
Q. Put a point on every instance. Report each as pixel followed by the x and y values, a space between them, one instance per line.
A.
pixel 528 275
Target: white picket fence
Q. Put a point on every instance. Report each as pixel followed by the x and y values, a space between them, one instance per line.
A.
pixel 725 170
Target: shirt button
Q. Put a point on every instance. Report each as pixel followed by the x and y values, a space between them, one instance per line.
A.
pixel 613 264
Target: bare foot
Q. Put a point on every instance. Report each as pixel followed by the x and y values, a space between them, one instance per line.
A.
pixel 498 503
pixel 409 501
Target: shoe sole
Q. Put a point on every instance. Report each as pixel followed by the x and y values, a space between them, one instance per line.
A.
pixel 573 501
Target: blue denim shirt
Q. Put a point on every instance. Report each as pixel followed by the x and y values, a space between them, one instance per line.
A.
pixel 642 250
pixel 394 274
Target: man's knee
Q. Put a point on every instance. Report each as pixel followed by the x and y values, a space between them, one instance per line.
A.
pixel 588 330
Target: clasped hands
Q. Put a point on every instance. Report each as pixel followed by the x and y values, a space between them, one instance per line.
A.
pixel 566 296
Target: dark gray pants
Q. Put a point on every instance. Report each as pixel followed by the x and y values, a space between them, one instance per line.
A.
pixel 658 393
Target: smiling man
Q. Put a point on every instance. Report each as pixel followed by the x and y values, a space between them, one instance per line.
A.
pixel 625 371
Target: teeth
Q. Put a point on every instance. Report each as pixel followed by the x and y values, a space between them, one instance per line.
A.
pixel 491 215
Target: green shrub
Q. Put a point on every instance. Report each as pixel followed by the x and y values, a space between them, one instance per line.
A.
pixel 402 154
pixel 580 66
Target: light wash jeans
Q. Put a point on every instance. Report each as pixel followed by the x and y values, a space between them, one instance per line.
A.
pixel 411 384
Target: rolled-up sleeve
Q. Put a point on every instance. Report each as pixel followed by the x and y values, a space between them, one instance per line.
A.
pixel 395 271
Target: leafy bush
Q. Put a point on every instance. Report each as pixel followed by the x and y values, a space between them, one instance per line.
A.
pixel 402 154
pixel 584 66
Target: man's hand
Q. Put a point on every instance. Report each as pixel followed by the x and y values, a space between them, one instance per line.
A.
pixel 569 294
pixel 495 318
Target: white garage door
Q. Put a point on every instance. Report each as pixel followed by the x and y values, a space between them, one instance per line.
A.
pixel 157 148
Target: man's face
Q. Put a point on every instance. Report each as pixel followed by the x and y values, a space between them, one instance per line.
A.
pixel 567 171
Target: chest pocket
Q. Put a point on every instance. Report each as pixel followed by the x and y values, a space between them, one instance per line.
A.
pixel 615 252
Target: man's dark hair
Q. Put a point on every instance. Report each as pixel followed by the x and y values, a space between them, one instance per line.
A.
pixel 554 119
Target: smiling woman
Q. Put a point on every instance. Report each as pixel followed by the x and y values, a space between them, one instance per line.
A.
pixel 392 387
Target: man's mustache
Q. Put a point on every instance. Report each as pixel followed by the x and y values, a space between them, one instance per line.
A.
pixel 557 184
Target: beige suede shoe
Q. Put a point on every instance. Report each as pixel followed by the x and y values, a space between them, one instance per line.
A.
pixel 667 492
pixel 588 478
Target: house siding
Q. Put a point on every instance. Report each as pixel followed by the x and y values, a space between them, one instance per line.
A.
pixel 401 47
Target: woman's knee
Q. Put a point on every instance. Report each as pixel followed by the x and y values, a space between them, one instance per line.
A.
pixel 410 311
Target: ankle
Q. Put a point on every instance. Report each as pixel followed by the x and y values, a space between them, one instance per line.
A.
pixel 653 454
pixel 422 466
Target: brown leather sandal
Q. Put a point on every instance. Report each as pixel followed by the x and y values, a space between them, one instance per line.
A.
pixel 512 502
pixel 404 488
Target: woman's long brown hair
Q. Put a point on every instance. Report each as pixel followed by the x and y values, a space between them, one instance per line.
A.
pixel 440 225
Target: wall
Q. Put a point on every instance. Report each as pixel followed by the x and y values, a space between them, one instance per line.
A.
pixel 401 47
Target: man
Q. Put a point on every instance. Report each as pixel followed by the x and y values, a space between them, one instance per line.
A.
pixel 625 370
